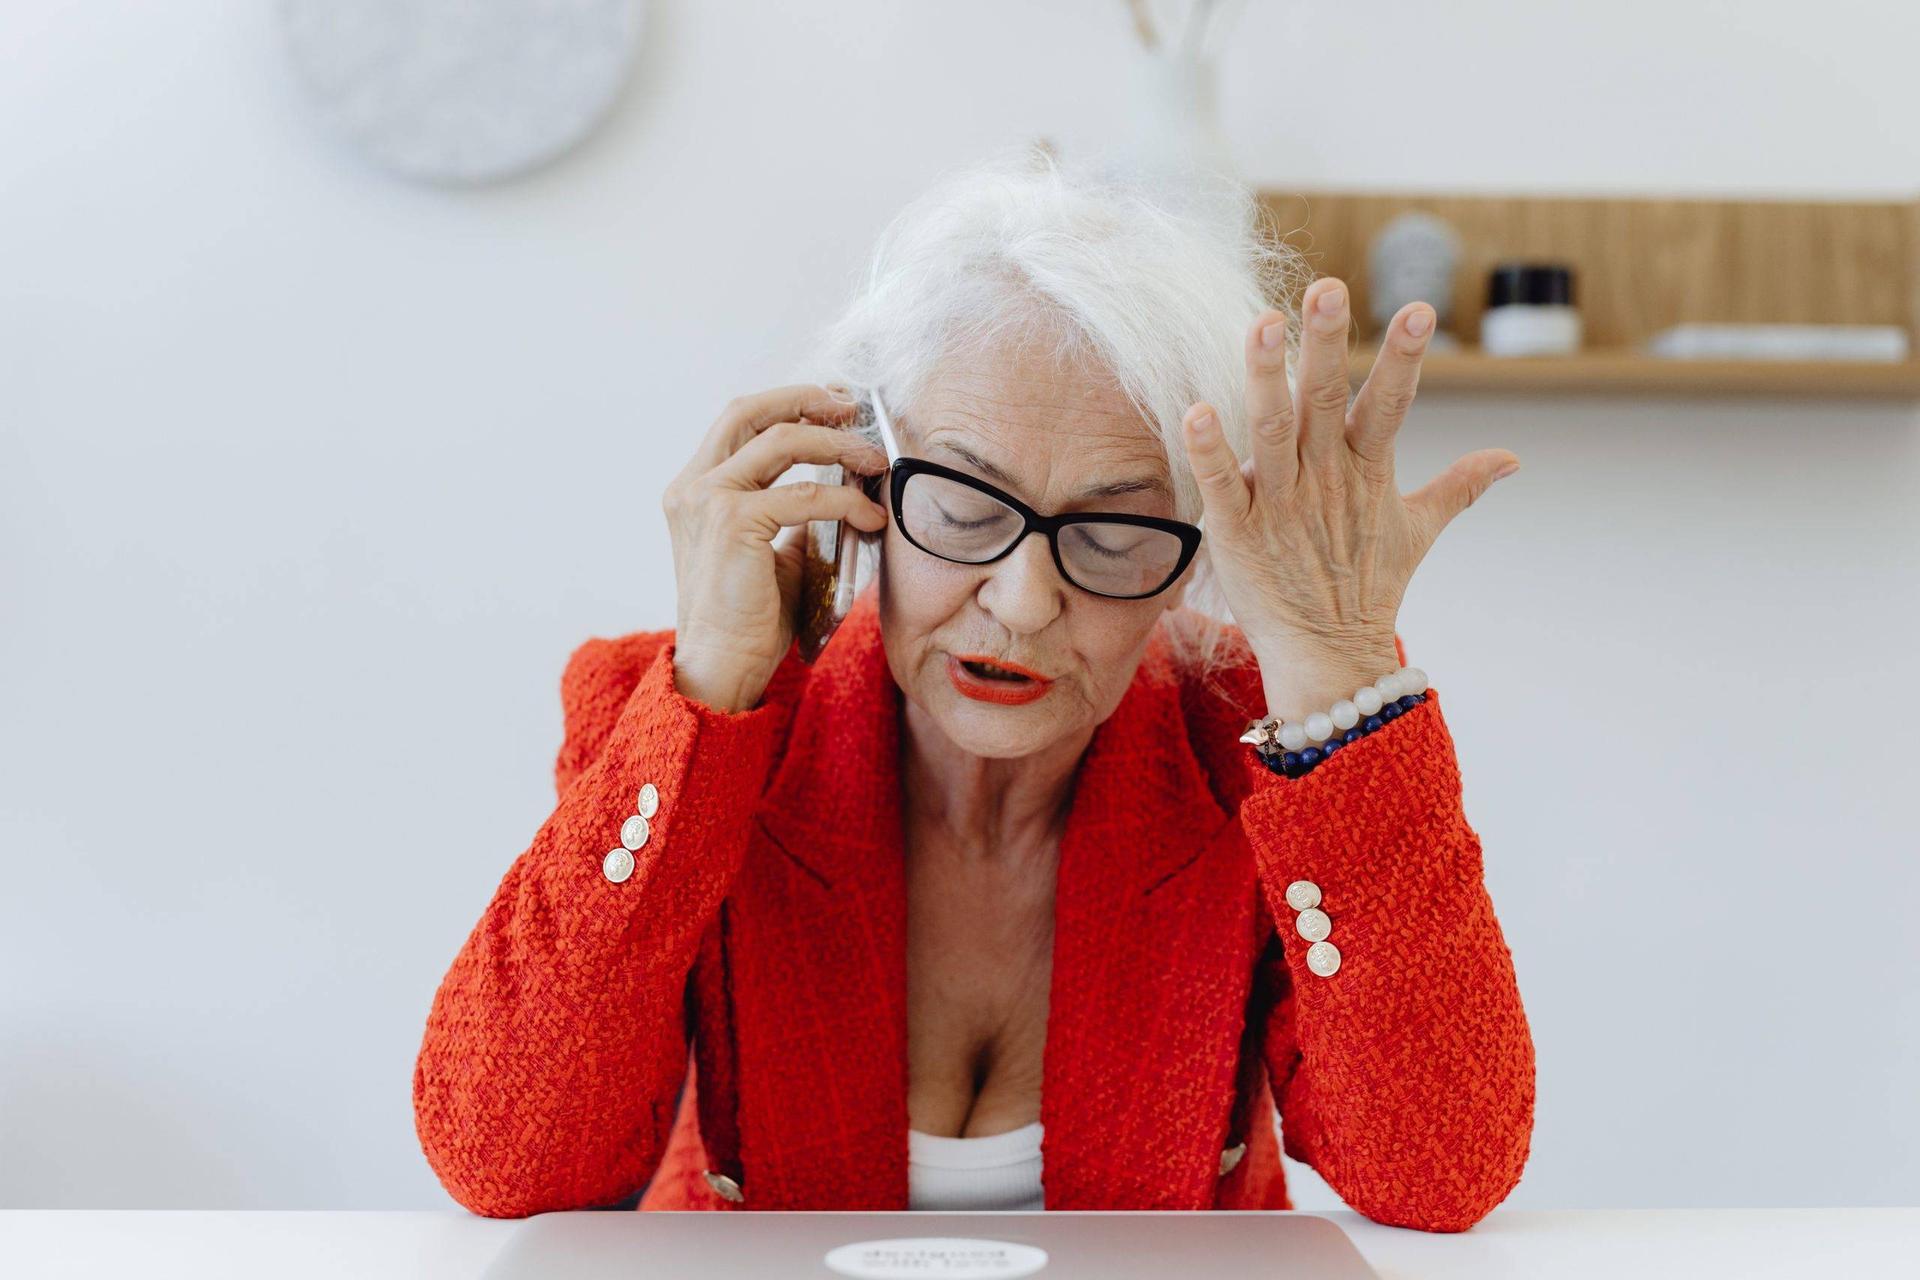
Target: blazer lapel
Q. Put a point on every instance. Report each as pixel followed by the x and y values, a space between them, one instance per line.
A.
pixel 818 949
pixel 1155 936
pixel 1154 941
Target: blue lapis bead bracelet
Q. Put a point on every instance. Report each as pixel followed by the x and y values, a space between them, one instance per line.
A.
pixel 1295 747
pixel 1295 763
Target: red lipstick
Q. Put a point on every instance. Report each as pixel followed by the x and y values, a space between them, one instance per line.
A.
pixel 982 688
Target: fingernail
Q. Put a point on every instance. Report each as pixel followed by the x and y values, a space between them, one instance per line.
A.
pixel 1273 335
pixel 1204 423
pixel 1332 301
pixel 1418 322
pixel 1506 471
pixel 840 394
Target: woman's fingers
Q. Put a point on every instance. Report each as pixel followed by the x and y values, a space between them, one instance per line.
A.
pixel 1381 407
pixel 1270 420
pixel 1223 490
pixel 766 457
pixel 804 500
pixel 1323 375
pixel 1445 496
pixel 747 416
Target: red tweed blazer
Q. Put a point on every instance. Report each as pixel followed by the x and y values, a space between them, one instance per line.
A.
pixel 736 1009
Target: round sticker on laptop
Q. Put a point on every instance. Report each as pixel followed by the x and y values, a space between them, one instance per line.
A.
pixel 917 1256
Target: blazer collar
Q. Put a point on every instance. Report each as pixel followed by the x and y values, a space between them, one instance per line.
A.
pixel 834 803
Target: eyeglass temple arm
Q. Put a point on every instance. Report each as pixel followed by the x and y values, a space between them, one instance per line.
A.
pixel 885 423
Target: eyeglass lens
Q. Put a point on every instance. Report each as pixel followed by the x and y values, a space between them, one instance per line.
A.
pixel 964 524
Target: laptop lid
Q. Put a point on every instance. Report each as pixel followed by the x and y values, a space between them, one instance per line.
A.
pixel 955 1246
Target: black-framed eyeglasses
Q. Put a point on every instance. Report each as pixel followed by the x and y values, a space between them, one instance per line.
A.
pixel 954 516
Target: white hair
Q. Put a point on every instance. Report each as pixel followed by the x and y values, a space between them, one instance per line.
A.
pixel 1148 278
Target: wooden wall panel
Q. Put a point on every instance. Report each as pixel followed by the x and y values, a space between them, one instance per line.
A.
pixel 1644 264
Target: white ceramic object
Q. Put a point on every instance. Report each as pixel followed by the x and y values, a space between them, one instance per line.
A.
pixel 461 92
pixel 1413 259
pixel 1175 121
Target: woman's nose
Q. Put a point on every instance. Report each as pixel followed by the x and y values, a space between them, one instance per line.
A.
pixel 1024 592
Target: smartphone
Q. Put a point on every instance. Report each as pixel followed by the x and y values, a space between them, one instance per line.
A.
pixel 829 578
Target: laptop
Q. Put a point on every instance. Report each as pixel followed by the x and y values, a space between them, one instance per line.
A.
pixel 1059 1245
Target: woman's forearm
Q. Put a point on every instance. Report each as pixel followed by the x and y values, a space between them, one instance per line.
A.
pixel 1298 684
pixel 556 1046
pixel 1406 1075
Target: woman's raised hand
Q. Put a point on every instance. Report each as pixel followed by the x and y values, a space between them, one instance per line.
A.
pixel 738 592
pixel 1311 538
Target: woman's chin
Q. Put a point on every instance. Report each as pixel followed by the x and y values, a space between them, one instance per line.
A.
pixel 994 730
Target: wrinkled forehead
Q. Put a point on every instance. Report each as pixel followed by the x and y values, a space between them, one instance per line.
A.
pixel 1058 439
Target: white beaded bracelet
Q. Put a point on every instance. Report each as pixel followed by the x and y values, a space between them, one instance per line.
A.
pixel 1297 735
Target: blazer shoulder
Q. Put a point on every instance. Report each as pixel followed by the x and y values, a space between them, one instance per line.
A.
pixel 599 676
pixel 1216 701
pixel 601 671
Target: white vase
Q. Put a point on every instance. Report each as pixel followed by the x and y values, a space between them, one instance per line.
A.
pixel 1174 121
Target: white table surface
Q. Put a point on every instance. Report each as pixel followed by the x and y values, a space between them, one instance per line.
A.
pixel 1846 1244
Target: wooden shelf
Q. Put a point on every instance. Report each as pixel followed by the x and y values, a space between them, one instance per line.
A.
pixel 1642 265
pixel 1629 372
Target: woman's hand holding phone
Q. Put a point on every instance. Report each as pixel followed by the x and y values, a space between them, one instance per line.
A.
pixel 737 590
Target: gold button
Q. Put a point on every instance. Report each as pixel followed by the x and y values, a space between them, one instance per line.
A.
pixel 1231 1157
pixel 726 1188
pixel 1302 894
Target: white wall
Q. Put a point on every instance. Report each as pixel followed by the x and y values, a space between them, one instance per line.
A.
pixel 309 481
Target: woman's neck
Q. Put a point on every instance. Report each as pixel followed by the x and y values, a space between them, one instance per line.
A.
pixel 987 807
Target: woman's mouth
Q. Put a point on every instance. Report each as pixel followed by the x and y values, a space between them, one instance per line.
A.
pixel 985 679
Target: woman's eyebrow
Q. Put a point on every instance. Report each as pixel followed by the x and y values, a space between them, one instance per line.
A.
pixel 1107 489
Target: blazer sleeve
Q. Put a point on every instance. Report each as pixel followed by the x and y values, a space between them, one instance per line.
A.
pixel 556 1046
pixel 1406 1077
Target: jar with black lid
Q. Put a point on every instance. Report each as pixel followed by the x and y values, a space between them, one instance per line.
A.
pixel 1530 311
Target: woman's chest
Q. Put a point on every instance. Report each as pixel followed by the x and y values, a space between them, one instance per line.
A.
pixel 979 967
pixel 1132 965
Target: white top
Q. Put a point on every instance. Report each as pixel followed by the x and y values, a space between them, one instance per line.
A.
pixel 999 1171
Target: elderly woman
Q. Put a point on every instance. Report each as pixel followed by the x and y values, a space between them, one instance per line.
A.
pixel 1003 902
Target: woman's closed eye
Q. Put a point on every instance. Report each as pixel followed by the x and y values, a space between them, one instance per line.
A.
pixel 990 518
pixel 1087 538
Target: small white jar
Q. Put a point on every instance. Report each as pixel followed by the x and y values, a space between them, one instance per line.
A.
pixel 1530 311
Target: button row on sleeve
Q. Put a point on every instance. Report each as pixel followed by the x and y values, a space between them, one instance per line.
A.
pixel 634 832
pixel 1313 924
